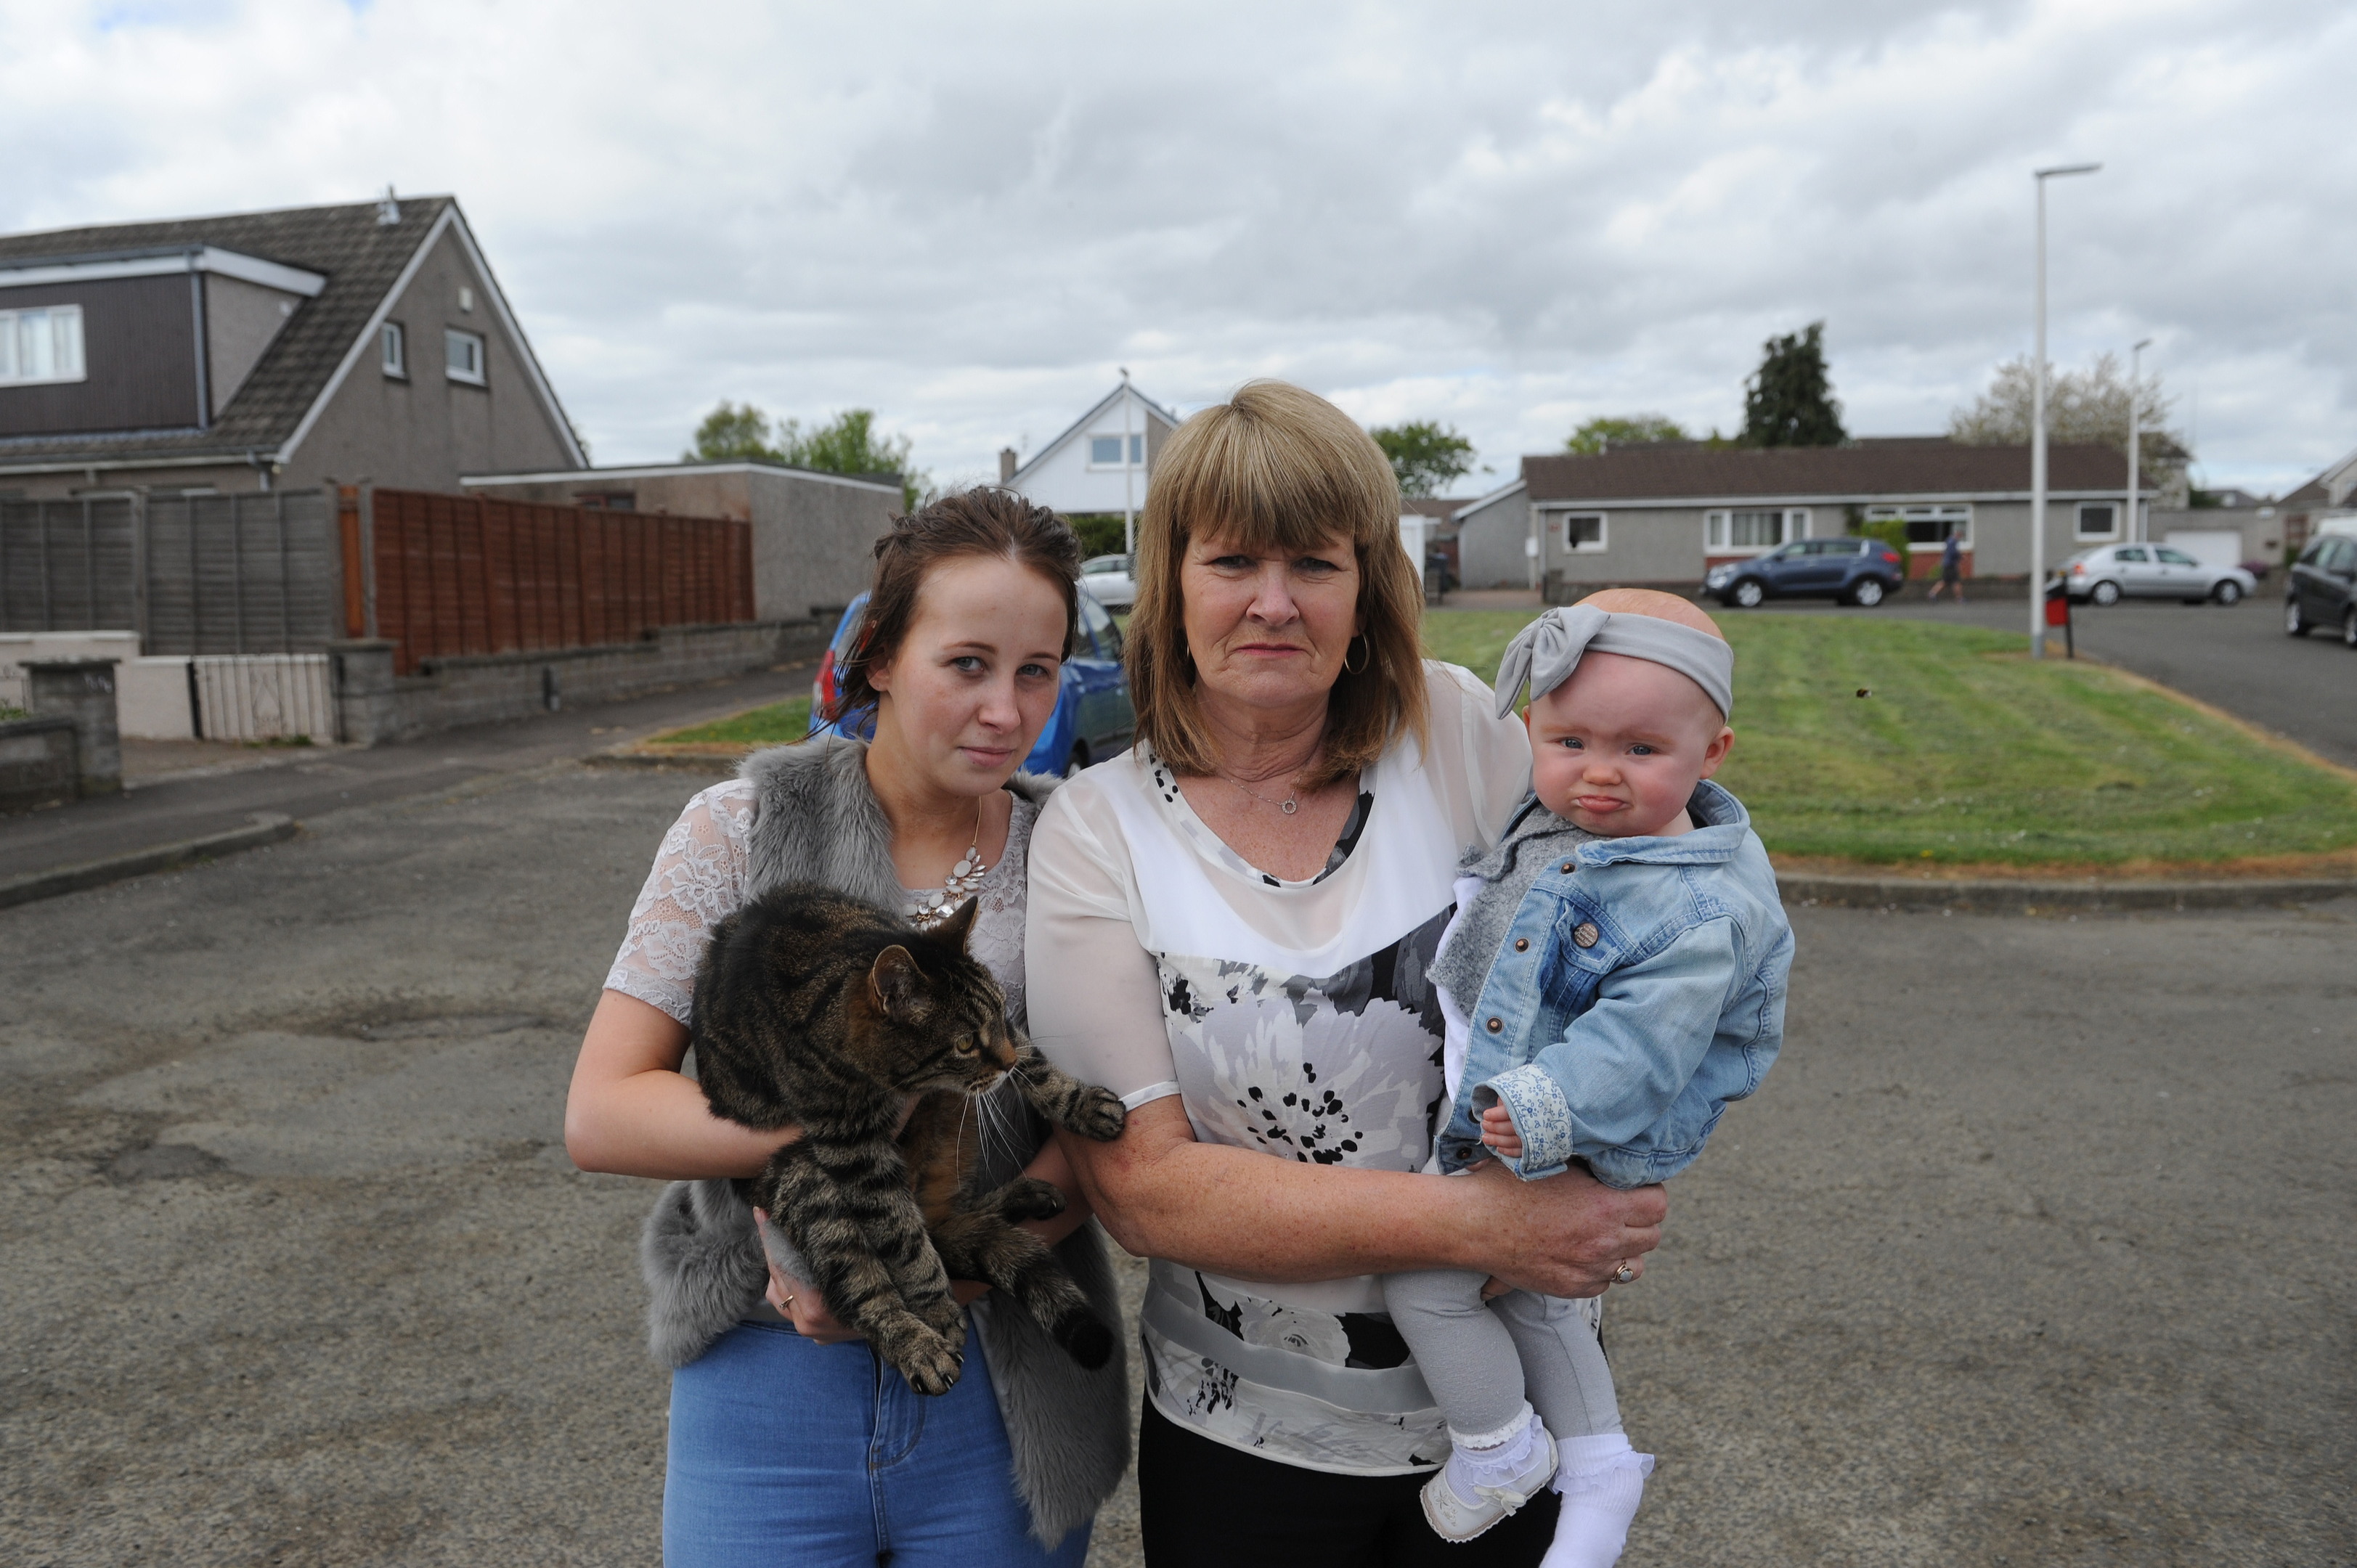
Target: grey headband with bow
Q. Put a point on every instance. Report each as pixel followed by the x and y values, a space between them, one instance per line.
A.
pixel 1546 651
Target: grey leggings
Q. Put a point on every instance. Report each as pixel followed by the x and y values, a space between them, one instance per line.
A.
pixel 1479 1357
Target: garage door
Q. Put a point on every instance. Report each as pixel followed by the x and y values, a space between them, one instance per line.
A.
pixel 2211 547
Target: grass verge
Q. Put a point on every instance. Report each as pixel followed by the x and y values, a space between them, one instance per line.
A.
pixel 767 725
pixel 1965 753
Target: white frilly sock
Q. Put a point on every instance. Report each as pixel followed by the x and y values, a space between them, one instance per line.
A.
pixel 1602 1480
pixel 1496 1458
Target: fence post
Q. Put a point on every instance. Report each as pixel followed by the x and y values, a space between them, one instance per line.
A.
pixel 139 545
pixel 82 690
pixel 360 675
pixel 347 529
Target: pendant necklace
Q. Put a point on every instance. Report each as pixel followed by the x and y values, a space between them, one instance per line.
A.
pixel 964 880
pixel 1290 804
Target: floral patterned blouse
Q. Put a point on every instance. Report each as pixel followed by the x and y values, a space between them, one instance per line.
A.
pixel 1296 1019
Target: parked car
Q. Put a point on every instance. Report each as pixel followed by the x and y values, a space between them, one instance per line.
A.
pixel 2323 588
pixel 1093 721
pixel 1111 580
pixel 1855 571
pixel 2110 572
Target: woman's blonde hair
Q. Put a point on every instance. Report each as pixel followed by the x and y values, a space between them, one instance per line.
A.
pixel 1275 467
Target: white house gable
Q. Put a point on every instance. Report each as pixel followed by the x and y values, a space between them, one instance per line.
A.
pixel 1100 462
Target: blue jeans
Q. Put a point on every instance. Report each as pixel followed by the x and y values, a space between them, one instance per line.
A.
pixel 786 1451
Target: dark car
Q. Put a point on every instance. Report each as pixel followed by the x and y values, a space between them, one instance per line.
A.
pixel 1092 719
pixel 1855 571
pixel 2321 589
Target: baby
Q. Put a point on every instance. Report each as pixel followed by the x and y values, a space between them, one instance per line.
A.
pixel 1624 955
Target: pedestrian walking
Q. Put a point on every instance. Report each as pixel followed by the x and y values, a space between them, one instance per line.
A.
pixel 1952 569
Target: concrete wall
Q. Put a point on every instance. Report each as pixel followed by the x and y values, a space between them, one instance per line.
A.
pixel 1489 544
pixel 487 687
pixel 424 432
pixel 36 763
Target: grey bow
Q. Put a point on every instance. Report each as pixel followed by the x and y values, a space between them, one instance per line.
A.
pixel 1546 651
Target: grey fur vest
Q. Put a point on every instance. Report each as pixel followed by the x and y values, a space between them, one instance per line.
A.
pixel 817 820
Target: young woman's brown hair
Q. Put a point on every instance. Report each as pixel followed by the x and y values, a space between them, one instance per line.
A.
pixel 984 521
pixel 1277 465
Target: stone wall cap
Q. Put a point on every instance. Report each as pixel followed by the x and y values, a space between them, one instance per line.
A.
pixel 67 666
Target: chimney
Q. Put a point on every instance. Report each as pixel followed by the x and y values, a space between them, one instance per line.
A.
pixel 388 211
pixel 1005 464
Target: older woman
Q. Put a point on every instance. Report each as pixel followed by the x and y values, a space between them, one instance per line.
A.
pixel 1231 928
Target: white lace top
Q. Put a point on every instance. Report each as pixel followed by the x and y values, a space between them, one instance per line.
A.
pixel 698 881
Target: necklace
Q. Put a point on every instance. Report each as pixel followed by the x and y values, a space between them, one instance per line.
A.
pixel 964 880
pixel 1290 804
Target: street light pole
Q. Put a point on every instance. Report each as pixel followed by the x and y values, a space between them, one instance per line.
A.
pixel 2134 530
pixel 1129 483
pixel 2038 427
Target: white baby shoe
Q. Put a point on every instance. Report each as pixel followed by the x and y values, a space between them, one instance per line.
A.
pixel 1478 1487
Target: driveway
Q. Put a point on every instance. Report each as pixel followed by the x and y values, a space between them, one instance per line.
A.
pixel 295 1268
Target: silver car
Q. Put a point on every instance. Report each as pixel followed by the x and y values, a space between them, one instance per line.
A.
pixel 2110 572
pixel 1109 581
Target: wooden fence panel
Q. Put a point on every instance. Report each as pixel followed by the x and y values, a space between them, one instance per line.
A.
pixel 465 575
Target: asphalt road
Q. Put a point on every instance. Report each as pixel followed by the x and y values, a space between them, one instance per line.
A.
pixel 2238 658
pixel 2034 1249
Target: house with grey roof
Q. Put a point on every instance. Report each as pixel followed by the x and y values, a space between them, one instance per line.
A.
pixel 259 350
pixel 1100 462
pixel 2332 494
pixel 1663 514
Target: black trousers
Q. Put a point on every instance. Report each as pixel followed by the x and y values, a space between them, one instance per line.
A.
pixel 1205 1505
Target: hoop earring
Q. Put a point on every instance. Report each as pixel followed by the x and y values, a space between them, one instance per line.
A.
pixel 1366 648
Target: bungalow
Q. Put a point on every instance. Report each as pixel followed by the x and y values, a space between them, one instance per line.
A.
pixel 1100 463
pixel 2332 493
pixel 1665 513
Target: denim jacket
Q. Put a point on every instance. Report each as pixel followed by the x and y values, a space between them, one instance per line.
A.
pixel 1624 1052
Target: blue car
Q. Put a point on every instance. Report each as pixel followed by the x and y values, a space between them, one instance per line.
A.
pixel 1093 721
pixel 1855 571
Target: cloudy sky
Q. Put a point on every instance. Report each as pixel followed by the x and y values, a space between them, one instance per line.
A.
pixel 1507 217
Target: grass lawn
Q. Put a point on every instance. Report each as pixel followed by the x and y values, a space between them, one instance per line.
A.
pixel 1965 753
pixel 755 726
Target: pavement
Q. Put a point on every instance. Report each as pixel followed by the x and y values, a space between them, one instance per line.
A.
pixel 188 789
pixel 2034 1248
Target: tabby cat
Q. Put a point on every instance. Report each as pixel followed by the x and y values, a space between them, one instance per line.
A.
pixel 821 1010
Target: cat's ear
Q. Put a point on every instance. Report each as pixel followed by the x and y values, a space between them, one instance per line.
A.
pixel 896 984
pixel 960 926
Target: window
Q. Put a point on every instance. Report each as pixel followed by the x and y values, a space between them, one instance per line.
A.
pixel 462 353
pixel 1753 530
pixel 2132 554
pixel 2097 522
pixel 392 352
pixel 1929 527
pixel 2174 558
pixel 40 345
pixel 1583 530
pixel 1105 451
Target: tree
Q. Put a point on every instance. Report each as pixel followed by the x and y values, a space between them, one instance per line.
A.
pixel 733 434
pixel 1789 401
pixel 1611 430
pixel 2087 407
pixel 847 443
pixel 1425 457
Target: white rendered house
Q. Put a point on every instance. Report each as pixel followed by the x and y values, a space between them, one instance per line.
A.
pixel 1101 461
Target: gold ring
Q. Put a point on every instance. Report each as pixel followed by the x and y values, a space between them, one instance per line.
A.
pixel 1623 1275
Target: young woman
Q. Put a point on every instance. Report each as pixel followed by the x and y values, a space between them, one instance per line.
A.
pixel 790 1441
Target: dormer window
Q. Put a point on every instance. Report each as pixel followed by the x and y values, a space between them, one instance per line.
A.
pixel 392 350
pixel 42 344
pixel 463 354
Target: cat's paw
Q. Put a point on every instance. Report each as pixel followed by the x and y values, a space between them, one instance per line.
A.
pixel 945 1317
pixel 1028 1198
pixel 1097 1114
pixel 929 1363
